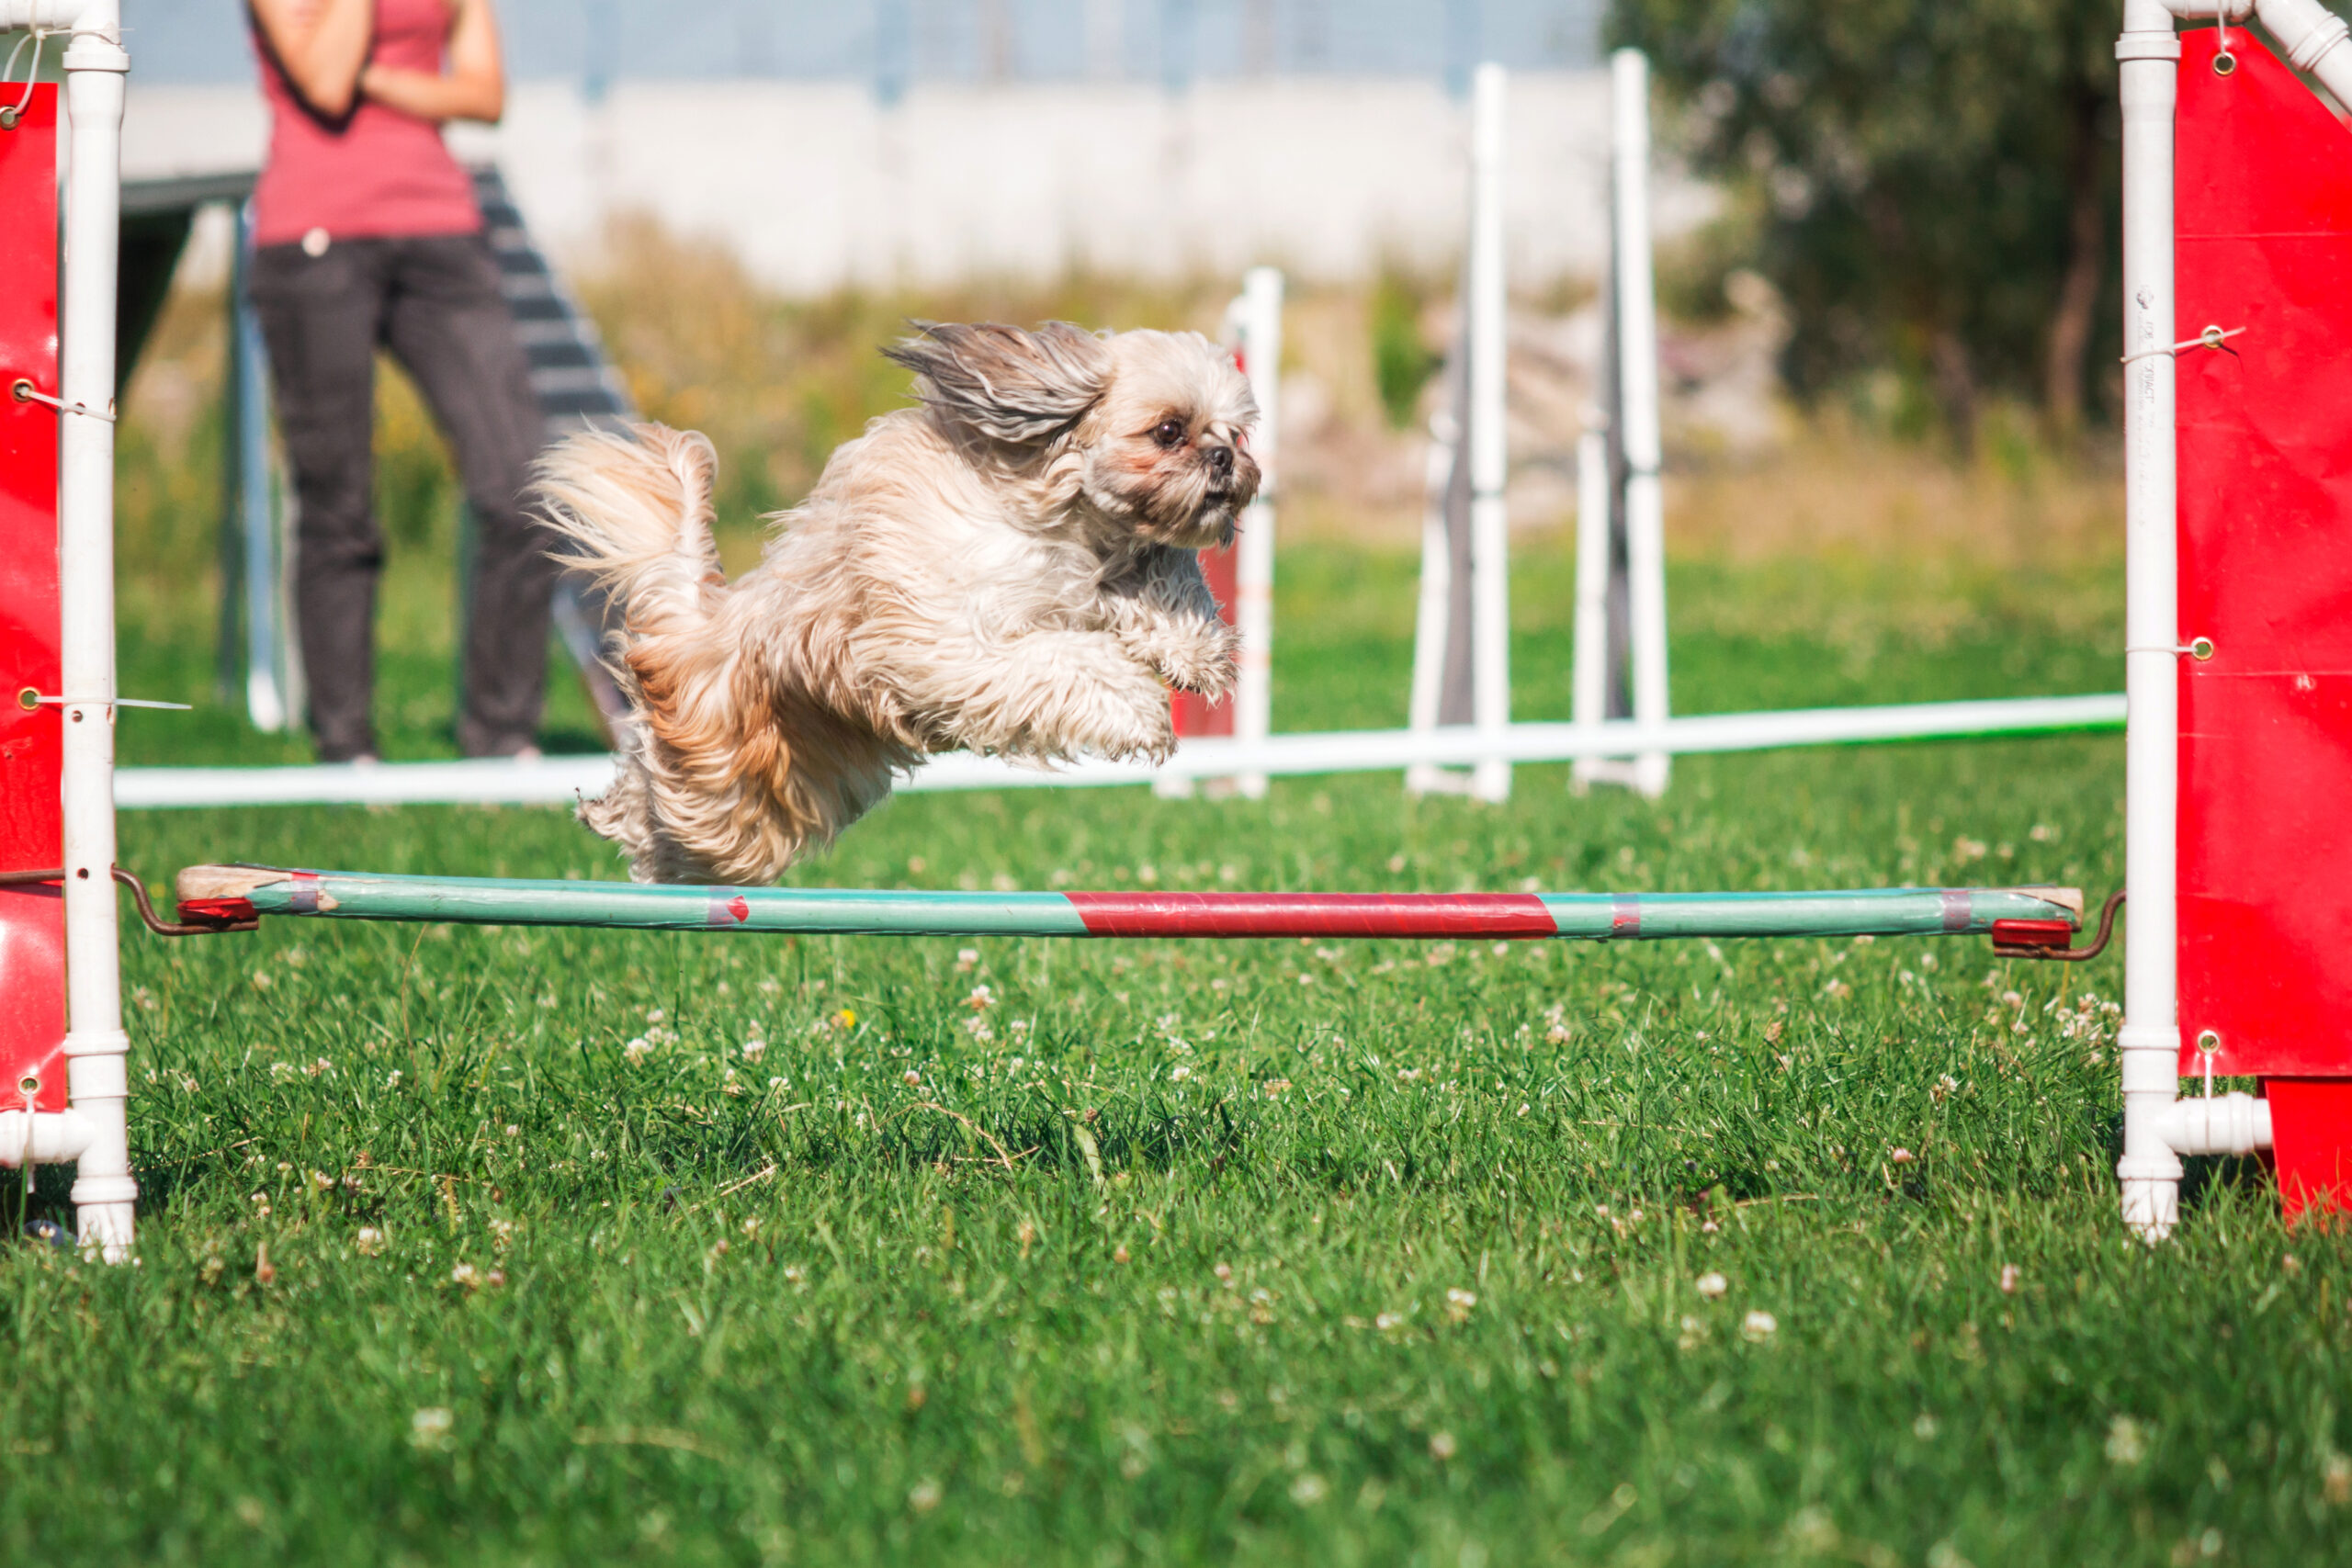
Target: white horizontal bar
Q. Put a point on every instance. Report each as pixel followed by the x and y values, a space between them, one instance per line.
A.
pixel 485 781
pixel 555 780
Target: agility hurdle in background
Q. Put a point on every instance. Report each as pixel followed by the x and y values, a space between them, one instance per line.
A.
pixel 1242 574
pixel 1461 641
pixel 2236 823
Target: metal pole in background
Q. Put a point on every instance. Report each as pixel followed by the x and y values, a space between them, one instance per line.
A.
pixel 266 699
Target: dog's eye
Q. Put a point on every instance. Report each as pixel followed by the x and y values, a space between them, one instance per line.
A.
pixel 1169 433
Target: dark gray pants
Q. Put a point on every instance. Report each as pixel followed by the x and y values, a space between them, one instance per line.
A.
pixel 434 303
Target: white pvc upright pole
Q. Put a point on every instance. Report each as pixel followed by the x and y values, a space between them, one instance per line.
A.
pixel 1636 296
pixel 1588 697
pixel 1489 451
pixel 1429 620
pixel 1261 358
pixel 2149 1042
pixel 96 1045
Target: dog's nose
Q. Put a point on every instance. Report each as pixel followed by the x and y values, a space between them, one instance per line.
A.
pixel 1221 461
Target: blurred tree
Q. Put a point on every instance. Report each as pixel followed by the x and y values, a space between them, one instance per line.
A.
pixel 1402 362
pixel 1934 183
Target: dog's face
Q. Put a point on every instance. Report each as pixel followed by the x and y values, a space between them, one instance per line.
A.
pixel 1168 441
pixel 1156 424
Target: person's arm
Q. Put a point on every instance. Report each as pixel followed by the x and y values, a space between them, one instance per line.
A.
pixel 474 88
pixel 322 45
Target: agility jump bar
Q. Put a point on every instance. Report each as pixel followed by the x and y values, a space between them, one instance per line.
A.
pixel 231 893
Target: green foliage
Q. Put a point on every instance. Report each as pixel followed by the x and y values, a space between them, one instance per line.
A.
pixel 1918 172
pixel 1692 270
pixel 1402 363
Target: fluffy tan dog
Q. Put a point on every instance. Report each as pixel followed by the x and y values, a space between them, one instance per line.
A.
pixel 1010 568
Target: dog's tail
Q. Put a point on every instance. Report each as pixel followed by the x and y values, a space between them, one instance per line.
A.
pixel 635 511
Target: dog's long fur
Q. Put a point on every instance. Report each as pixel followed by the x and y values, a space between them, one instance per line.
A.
pixel 1009 567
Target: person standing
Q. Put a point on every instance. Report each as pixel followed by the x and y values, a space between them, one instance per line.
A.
pixel 367 235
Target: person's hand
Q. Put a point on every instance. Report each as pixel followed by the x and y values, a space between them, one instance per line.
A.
pixel 474 86
pixel 321 46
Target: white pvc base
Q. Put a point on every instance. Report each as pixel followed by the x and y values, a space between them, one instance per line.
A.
pixel 2159 1131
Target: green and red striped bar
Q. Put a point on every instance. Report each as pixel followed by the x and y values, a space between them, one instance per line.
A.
pixel 224 893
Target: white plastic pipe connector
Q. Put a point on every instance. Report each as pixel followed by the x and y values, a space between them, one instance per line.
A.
pixel 63 16
pixel 1489 449
pixel 2310 36
pixel 56 1136
pixel 2233 1123
pixel 2148 1045
pixel 2313 38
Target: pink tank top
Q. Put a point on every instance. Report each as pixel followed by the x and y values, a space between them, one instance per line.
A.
pixel 380 172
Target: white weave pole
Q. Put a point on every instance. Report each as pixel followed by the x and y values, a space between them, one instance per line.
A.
pixel 1490 450
pixel 1588 697
pixel 1637 295
pixel 1260 324
pixel 1437 590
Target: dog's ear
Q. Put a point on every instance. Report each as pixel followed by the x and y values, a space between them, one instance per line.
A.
pixel 1023 387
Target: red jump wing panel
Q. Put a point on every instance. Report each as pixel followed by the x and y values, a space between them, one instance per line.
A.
pixel 1195 713
pixel 32 920
pixel 2264 227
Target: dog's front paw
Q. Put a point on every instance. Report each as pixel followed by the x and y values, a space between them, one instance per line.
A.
pixel 1208 664
pixel 1131 723
pixel 1149 737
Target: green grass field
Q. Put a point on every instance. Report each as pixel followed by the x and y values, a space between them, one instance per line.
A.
pixel 479 1246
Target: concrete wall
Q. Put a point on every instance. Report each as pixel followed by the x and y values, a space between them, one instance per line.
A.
pixel 815 186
